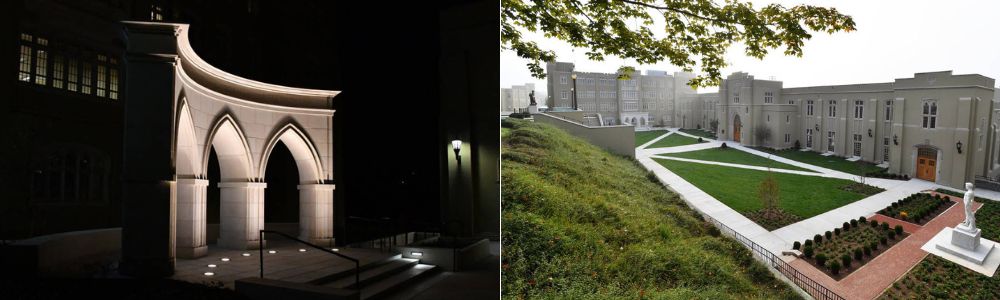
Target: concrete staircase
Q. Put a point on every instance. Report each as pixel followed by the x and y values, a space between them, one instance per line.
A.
pixel 381 278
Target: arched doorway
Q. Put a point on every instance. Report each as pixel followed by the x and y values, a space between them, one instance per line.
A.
pixel 281 204
pixel 926 163
pixel 241 196
pixel 736 128
pixel 315 197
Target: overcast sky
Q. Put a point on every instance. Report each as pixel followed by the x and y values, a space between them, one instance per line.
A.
pixel 894 39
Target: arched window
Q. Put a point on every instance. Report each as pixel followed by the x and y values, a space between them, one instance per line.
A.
pixel 930 114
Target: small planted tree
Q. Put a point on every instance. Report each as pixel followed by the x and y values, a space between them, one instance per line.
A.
pixel 858 253
pixel 845 260
pixel 818 239
pixel 899 229
pixel 770 198
pixel 807 251
pixel 821 260
pixel 835 267
pixel 796 245
pixel 763 134
pixel 829 235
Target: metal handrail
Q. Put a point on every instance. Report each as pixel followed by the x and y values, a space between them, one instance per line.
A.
pixel 357 263
pixel 386 237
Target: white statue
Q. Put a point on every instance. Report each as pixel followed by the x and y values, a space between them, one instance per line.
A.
pixel 970 218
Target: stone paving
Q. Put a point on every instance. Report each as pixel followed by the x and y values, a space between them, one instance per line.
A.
pixel 287 263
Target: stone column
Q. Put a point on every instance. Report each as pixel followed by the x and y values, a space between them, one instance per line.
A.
pixel 242 210
pixel 191 220
pixel 148 187
pixel 316 213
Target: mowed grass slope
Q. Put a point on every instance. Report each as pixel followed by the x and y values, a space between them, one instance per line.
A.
pixel 801 195
pixel 580 223
pixel 730 155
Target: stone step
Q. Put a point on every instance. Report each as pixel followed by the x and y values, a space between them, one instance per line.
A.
pixel 373 274
pixel 350 271
pixel 398 280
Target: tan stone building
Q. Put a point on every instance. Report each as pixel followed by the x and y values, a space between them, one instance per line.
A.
pixel 935 126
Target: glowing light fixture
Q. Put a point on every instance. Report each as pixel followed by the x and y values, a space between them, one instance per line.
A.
pixel 457 146
pixel 414 253
pixel 225 259
pixel 272 251
pixel 246 254
pixel 209 274
pixel 302 250
pixel 335 249
pixel 211 266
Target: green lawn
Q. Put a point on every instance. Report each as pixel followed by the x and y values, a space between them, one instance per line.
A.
pixel 673 140
pixel 829 162
pixel 801 195
pixel 730 155
pixel 582 223
pixel 701 133
pixel 642 137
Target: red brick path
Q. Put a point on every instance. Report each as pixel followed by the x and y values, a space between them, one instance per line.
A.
pixel 877 275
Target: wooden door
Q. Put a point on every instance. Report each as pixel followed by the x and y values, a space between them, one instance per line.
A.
pixel 736 128
pixel 927 165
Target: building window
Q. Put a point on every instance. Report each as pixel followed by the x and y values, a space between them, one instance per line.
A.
pixel 809 138
pixel 832 111
pixel 930 114
pixel 829 140
pixel 24 69
pixel 885 149
pixel 563 94
pixel 70 175
pixel 102 71
pixel 857 145
pixel 57 72
pixel 888 110
pixel 791 101
pixel 768 97
pixel 72 78
pixel 736 97
pixel 155 13
pixel 788 137
pixel 41 62
pixel 85 81
pixel 859 109
pixel 768 118
pixel 563 79
pixel 788 119
pixel 809 107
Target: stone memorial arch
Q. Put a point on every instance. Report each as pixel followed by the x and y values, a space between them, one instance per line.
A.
pixel 178 109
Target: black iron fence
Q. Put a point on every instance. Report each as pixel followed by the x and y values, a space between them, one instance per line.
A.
pixel 813 288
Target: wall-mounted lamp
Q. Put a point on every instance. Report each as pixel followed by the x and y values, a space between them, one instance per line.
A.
pixel 895 140
pixel 817 127
pixel 958 146
pixel 457 146
pixel 869 132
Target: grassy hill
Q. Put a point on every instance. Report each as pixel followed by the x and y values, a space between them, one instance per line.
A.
pixel 580 223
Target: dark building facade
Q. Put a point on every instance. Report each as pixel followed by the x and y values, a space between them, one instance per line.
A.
pixel 62 107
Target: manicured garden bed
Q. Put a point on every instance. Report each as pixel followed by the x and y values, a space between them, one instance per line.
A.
pixel 730 155
pixel 937 278
pixel 800 195
pixel 701 133
pixel 845 249
pixel 918 208
pixel 829 162
pixel 674 140
pixel 642 137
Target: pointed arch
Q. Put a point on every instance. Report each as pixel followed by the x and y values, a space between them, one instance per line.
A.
pixel 232 150
pixel 187 159
pixel 307 159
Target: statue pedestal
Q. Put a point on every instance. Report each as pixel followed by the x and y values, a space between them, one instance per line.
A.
pixel 965 243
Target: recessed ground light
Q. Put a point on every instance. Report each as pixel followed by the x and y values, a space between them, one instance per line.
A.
pixel 209 274
pixel 417 253
pixel 246 254
pixel 302 250
pixel 335 249
pixel 225 259
pixel 272 251
pixel 211 266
